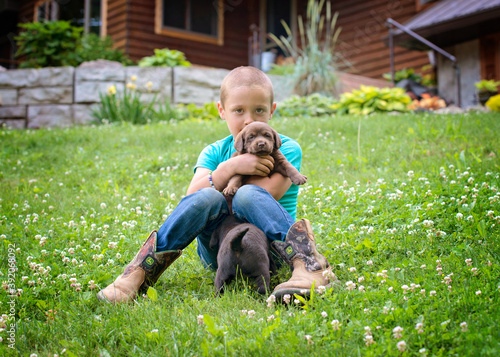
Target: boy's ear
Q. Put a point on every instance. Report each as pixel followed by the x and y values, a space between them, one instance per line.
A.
pixel 220 109
pixel 273 108
pixel 239 142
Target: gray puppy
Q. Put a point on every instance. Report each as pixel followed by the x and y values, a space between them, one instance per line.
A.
pixel 243 247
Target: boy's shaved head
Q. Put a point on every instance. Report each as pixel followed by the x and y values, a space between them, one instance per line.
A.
pixel 245 76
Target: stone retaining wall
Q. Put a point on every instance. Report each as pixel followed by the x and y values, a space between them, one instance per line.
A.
pixel 64 96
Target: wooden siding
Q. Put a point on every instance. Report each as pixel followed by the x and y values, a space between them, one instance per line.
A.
pixel 131 25
pixel 363 31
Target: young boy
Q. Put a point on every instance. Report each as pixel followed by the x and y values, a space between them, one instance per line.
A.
pixel 269 202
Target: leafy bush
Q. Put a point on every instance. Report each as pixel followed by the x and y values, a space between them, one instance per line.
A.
pixel 309 106
pixel 124 107
pixel 487 85
pixel 48 44
pixel 368 100
pixel 315 58
pixel 95 47
pixel 165 58
pixel 207 111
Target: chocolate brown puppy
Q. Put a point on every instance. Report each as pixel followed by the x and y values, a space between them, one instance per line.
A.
pixel 260 139
pixel 242 247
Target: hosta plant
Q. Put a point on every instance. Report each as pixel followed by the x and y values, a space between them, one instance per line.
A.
pixel 369 99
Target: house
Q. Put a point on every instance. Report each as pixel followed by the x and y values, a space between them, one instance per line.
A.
pixel 469 31
pixel 218 33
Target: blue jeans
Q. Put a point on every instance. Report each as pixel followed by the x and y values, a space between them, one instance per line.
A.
pixel 199 214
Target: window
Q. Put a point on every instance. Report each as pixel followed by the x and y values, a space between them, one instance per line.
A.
pixel 86 14
pixel 197 20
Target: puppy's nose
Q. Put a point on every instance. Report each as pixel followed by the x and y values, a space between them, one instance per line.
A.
pixel 261 144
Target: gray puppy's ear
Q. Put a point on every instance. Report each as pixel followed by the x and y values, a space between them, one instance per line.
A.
pixel 239 142
pixel 277 140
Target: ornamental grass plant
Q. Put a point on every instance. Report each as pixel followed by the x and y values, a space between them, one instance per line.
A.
pixel 405 207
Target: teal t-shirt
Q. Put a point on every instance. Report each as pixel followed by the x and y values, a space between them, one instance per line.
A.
pixel 222 150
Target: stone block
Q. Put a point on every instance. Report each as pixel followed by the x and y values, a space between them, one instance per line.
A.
pixel 46 95
pixel 13 123
pixel 158 76
pixel 82 113
pixel 45 77
pixel 13 112
pixel 8 96
pixel 198 85
pixel 88 92
pixel 43 116
pixel 104 74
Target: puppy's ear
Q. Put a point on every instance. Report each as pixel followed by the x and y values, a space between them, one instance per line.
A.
pixel 239 142
pixel 277 140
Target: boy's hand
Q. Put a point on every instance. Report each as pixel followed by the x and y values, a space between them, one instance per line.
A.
pixel 249 164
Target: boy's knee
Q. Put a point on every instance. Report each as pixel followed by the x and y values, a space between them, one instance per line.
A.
pixel 248 195
pixel 208 197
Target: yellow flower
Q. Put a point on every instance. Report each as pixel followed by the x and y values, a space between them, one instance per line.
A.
pixel 149 84
pixel 133 78
pixel 131 85
pixel 112 90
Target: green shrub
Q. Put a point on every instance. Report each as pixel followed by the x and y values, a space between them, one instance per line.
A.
pixel 95 47
pixel 487 85
pixel 165 58
pixel 368 100
pixel 48 44
pixel 309 106
pixel 207 111
pixel 127 106
pixel 314 54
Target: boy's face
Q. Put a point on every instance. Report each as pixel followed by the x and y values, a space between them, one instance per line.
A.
pixel 244 105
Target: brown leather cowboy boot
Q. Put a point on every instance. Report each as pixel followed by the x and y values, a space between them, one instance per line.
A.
pixel 140 274
pixel 308 266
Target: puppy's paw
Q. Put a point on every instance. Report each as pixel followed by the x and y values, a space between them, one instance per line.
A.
pixel 230 191
pixel 299 179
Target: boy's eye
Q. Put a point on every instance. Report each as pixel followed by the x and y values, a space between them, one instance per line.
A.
pixel 260 110
pixel 239 111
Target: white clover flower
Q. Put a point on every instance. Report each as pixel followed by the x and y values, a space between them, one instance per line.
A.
pixel 251 313
pixel 397 332
pixel 464 326
pixel 350 285
pixel 286 298
pixel 336 324
pixel 270 318
pixel 369 262
pixel 352 269
pixel 103 205
pixel 369 340
pixel 401 346
pixel 271 300
pixel 324 314
pixel 361 288
pixel 478 292
pixel 309 339
pixel 200 320
pixel 419 327
pixel 432 293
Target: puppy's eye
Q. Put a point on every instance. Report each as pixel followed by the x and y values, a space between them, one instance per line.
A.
pixel 250 137
pixel 267 135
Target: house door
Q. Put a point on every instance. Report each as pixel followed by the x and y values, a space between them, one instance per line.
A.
pixel 271 15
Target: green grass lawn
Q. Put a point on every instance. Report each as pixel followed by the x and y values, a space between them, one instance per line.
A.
pixel 405 207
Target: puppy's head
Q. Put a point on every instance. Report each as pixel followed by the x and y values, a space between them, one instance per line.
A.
pixel 257 138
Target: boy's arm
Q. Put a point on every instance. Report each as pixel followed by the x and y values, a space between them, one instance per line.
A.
pixel 246 164
pixel 276 184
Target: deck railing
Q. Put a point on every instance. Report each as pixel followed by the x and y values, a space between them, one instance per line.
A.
pixel 391 24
